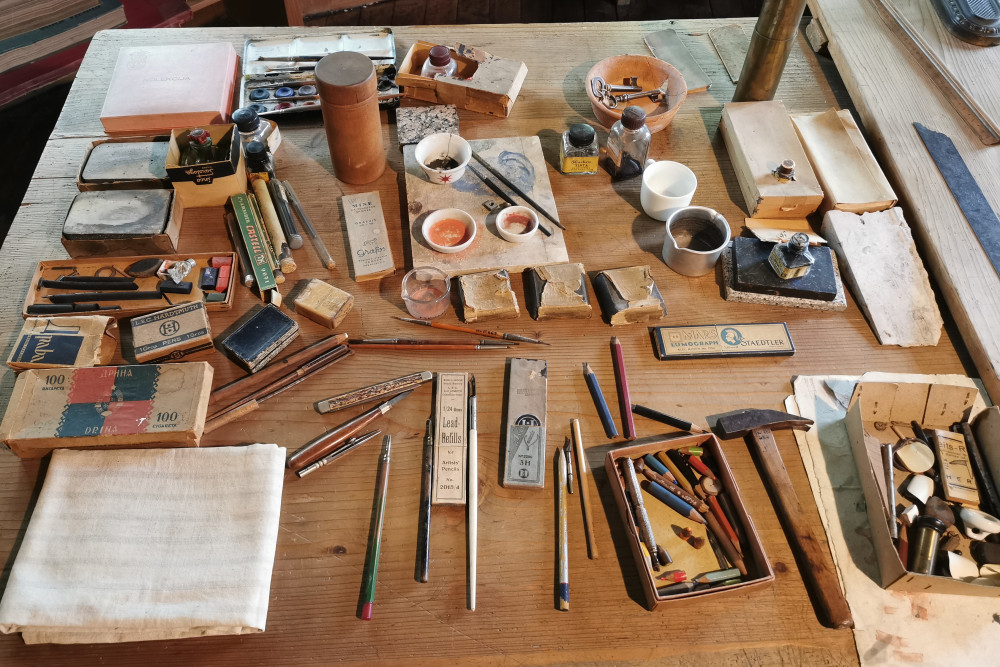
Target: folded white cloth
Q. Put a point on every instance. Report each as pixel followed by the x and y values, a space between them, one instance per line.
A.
pixel 128 545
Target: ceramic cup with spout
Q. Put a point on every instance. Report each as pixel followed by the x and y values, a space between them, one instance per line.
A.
pixel 696 237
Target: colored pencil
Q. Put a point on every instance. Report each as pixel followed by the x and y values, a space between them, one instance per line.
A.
pixel 469 330
pixel 656 465
pixel 699 465
pixel 516 190
pixel 675 471
pixel 691 499
pixel 664 418
pixel 582 473
pixel 674 502
pixel 639 508
pixel 472 506
pixel 349 446
pixel 424 524
pixel 621 381
pixel 561 483
pixel 610 430
pixel 375 538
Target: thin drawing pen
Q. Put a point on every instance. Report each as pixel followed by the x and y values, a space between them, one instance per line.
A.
pixel 375 538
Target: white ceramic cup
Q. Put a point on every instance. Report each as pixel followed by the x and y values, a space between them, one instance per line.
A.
pixel 443 144
pixel 517 237
pixel 696 237
pixel 455 214
pixel 666 185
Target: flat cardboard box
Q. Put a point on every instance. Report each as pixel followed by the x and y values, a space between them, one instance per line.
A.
pixel 208 184
pixel 163 242
pixel 78 341
pixel 482 83
pixel 137 163
pixel 171 334
pixel 663 520
pixel 875 404
pixel 107 406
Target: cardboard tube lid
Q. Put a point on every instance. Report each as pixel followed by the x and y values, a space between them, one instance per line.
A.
pixel 346 77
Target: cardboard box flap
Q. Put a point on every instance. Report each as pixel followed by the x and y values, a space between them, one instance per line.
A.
pixel 947 403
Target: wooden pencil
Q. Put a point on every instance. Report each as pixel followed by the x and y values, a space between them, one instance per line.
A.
pixel 469 330
pixel 610 430
pixel 621 381
pixel 362 345
pixel 561 484
pixel 582 474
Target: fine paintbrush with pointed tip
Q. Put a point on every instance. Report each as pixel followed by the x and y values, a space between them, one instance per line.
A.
pixel 470 330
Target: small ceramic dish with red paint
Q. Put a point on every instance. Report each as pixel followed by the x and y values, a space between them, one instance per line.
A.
pixel 443 157
pixel 517 224
pixel 449 230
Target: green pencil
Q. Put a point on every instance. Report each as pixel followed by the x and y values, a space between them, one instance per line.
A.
pixel 375 539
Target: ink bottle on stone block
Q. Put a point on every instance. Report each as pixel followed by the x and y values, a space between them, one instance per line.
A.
pixel 579 152
pixel 628 145
pixel 199 149
pixel 792 259
pixel 439 61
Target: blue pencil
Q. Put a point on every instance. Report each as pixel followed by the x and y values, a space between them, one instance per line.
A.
pixel 610 430
pixel 674 502
pixel 655 464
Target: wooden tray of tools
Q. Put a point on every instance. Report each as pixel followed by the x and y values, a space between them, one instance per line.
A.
pixel 520 159
pixel 115 267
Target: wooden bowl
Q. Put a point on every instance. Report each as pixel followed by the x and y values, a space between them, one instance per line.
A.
pixel 652 73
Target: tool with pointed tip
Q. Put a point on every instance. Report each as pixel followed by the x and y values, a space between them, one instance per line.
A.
pixel 820 577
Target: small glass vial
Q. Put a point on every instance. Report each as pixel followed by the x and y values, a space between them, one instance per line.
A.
pixel 628 145
pixel 579 152
pixel 251 126
pixel 199 149
pixel 439 61
pixel 792 259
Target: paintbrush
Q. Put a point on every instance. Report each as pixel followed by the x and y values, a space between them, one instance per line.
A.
pixel 503 195
pixel 516 190
pixel 470 330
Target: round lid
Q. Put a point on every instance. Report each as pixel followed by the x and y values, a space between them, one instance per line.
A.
pixel 256 153
pixel 930 522
pixel 799 242
pixel 440 56
pixel 246 119
pixel 581 134
pixel 633 117
pixel 199 137
pixel 346 76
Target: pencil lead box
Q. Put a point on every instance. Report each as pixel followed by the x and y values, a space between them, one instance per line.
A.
pixel 259 340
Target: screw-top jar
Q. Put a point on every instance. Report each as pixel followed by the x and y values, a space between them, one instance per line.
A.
pixel 258 158
pixel 439 61
pixel 579 152
pixel 199 149
pixel 792 259
pixel 251 126
pixel 348 96
pixel 628 145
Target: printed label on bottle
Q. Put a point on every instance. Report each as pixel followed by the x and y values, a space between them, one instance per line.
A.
pixel 579 165
pixel 615 154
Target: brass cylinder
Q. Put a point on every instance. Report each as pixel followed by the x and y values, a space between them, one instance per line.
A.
pixel 772 41
pixel 348 96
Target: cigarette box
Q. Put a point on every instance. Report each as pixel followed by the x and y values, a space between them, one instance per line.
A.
pixel 874 409
pixel 171 334
pixel 666 524
pixel 80 341
pixel 107 406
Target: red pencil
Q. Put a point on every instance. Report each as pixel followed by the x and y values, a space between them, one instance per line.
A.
pixel 621 379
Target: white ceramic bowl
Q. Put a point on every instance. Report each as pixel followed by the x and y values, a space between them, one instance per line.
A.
pixel 443 145
pixel 427 229
pixel 509 234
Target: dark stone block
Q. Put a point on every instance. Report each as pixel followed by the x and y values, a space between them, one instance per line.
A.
pixel 753 273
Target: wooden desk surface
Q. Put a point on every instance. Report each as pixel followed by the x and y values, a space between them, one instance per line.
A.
pixel 325 517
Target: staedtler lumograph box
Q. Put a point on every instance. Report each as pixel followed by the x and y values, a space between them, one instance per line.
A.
pixel 107 406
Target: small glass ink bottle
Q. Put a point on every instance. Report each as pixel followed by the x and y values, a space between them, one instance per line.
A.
pixel 199 149
pixel 579 152
pixel 439 61
pixel 251 126
pixel 628 145
pixel 792 259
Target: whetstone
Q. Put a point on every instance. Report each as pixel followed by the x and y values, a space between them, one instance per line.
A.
pixel 451 400
pixel 371 255
pixel 732 44
pixel 527 389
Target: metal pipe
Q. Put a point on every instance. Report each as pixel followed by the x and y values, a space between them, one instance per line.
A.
pixel 772 41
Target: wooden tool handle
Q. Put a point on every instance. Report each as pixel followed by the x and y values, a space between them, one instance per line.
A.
pixel 821 579
pixel 230 416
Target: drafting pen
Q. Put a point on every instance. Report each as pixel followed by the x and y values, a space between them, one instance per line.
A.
pixel 503 195
pixel 347 447
pixel 324 254
pixel 516 190
pixel 621 381
pixel 430 341
pixel 561 483
pixel 472 505
pixel 663 418
pixel 424 516
pixel 610 430
pixel 568 451
pixel 366 345
pixel 470 330
pixel 375 538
